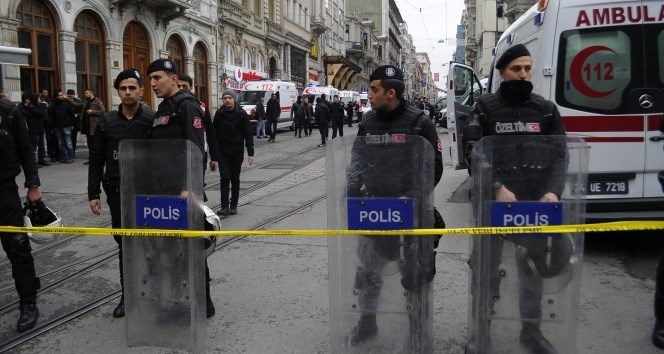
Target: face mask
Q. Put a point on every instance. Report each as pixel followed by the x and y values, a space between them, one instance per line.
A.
pixel 516 91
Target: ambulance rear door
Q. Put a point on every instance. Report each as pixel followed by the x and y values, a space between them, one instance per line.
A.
pixel 463 90
pixel 608 88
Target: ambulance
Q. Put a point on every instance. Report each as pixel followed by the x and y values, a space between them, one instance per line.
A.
pixel 262 90
pixel 349 96
pixel 314 92
pixel 601 63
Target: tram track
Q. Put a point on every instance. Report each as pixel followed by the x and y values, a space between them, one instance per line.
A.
pixel 51 324
pixel 103 258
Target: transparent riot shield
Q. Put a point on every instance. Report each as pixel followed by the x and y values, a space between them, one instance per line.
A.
pixel 524 290
pixel 380 286
pixel 164 277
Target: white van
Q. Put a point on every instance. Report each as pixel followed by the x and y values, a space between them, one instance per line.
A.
pixel 601 63
pixel 349 96
pixel 314 92
pixel 286 95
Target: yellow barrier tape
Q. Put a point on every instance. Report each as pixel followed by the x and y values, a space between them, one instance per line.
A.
pixel 579 228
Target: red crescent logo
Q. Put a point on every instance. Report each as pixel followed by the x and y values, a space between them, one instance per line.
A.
pixel 576 71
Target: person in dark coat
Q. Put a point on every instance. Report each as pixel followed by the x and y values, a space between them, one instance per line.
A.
pixel 308 116
pixel 349 111
pixel 272 114
pixel 16 152
pixel 35 120
pixel 322 119
pixel 298 115
pixel 233 130
pixel 188 124
pixel 63 117
pixel 130 121
pixel 337 112
pixel 259 114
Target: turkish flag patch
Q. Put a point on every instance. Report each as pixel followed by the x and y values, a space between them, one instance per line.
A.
pixel 533 127
pixel 198 123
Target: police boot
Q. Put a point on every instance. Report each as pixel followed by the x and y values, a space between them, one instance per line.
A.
pixel 119 310
pixel 365 329
pixel 208 300
pixel 29 313
pixel 658 334
pixel 532 338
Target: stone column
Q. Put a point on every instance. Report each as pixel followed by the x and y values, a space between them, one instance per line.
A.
pixel 67 47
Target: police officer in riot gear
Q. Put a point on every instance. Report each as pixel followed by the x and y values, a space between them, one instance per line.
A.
pixel 515 110
pixel 15 152
pixel 130 121
pixel 179 116
pixel 391 114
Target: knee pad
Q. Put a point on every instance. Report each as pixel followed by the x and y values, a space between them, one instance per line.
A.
pixel 19 248
pixel 367 280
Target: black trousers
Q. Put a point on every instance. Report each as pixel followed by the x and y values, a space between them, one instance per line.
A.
pixel 338 125
pixel 230 166
pixel 272 125
pixel 52 144
pixel 17 246
pixel 323 132
pixel 659 290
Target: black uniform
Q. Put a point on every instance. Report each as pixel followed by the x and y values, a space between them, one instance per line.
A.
pixel 180 117
pixel 373 252
pixel 35 120
pixel 233 132
pixel 104 167
pixel 322 119
pixel 337 112
pixel 496 114
pixel 272 113
pixel 15 152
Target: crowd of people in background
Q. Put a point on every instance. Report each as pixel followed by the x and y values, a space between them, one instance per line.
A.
pixel 54 123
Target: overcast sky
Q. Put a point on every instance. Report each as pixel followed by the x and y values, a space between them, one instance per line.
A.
pixel 430 21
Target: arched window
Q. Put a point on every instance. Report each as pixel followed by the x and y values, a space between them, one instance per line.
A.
pixel 230 55
pixel 37 31
pixel 246 58
pixel 200 72
pixel 90 56
pixel 260 65
pixel 176 48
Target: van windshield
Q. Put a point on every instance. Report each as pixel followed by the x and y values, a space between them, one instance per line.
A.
pixel 251 97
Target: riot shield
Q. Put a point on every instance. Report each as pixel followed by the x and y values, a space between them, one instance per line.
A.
pixel 164 277
pixel 380 286
pixel 524 290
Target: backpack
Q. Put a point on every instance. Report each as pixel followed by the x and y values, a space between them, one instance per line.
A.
pixel 298 109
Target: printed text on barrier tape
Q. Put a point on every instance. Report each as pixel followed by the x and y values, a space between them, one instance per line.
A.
pixel 580 228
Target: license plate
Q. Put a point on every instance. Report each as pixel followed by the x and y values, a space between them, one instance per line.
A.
pixel 608 187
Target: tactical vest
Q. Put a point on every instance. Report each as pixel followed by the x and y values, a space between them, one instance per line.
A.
pixel 408 123
pixel 174 116
pixel 531 118
pixel 114 128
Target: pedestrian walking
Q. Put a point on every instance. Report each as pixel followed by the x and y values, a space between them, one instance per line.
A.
pixel 231 124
